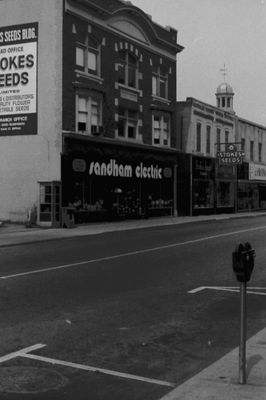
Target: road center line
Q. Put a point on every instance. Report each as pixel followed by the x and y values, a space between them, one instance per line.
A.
pixel 93 369
pixel 131 253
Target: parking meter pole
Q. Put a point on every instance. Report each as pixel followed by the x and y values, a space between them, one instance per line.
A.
pixel 242 345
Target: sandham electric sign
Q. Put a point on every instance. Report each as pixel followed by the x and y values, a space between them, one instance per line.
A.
pixel 18 79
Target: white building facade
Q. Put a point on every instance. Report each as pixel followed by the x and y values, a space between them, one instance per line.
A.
pixel 31 37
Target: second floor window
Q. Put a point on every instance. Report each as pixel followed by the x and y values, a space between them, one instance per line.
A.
pixel 160 83
pixel 198 137
pixel 127 69
pixel 218 139
pixel 208 139
pixel 251 150
pixel 127 123
pixel 260 151
pixel 161 129
pixel 243 144
pixel 88 56
pixel 226 137
pixel 88 114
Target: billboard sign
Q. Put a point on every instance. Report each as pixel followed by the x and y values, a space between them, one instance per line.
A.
pixel 257 172
pixel 18 79
pixel 231 156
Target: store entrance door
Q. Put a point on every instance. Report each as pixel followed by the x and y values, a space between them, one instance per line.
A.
pixel 50 204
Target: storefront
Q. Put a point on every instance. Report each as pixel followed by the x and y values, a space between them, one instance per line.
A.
pixel 251 187
pixel 225 188
pixel 205 186
pixel 104 181
pixel 203 173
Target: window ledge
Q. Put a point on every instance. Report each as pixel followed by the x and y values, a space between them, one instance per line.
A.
pixel 138 139
pixel 88 76
pixel 129 88
pixel 161 145
pixel 161 99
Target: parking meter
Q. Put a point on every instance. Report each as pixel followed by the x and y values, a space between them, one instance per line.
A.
pixel 243 264
pixel 243 261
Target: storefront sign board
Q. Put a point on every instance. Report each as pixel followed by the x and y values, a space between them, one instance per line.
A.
pixel 257 172
pixel 114 168
pixel 18 79
pixel 231 156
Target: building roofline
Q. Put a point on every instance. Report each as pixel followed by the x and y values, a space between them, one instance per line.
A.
pixel 240 119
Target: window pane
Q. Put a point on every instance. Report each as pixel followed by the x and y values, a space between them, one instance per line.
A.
pixel 156 130
pixel 251 150
pixel 132 76
pixel 208 139
pixel 162 87
pixel 121 74
pixel 226 136
pixel 82 117
pixel 131 131
pixel 260 152
pixel 82 104
pixel 198 144
pixel 92 61
pixel 166 131
pixel 121 127
pixel 218 140
pixel 81 126
pixel 80 57
pixel 95 113
pixel 154 86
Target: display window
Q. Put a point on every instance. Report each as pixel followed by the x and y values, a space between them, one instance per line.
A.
pixel 105 185
pixel 248 196
pixel 203 193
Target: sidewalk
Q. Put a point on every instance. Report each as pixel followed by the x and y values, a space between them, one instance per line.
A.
pixel 11 234
pixel 220 381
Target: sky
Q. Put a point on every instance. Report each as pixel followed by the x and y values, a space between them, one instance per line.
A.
pixel 217 33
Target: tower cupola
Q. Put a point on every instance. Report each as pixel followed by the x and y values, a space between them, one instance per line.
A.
pixel 224 95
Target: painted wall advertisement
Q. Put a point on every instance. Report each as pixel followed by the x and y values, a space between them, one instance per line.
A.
pixel 18 79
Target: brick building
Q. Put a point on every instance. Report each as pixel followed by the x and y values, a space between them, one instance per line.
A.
pixel 98 134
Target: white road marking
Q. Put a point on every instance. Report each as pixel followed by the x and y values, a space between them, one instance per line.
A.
pixel 21 353
pixel 250 290
pixel 93 369
pixel 132 253
pixel 24 353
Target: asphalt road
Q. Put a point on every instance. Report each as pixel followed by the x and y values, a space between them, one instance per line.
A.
pixel 121 302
